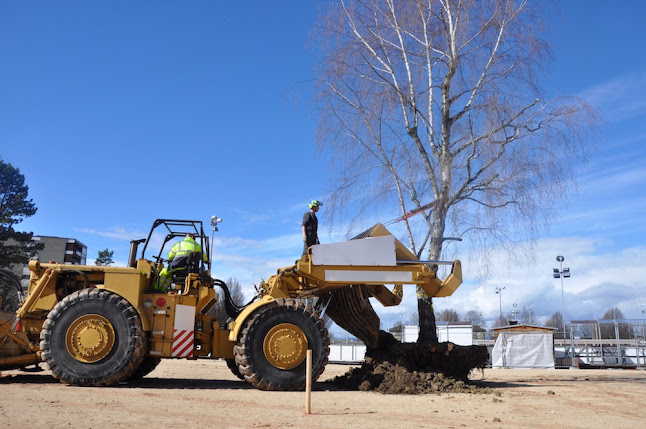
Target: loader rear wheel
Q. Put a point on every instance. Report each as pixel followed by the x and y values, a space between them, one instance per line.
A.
pixel 271 351
pixel 147 366
pixel 92 338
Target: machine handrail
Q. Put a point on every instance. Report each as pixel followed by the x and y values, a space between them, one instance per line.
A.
pixel 427 262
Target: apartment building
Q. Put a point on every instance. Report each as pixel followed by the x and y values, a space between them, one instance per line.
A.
pixel 67 251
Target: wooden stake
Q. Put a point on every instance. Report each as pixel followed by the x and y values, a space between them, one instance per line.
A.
pixel 308 383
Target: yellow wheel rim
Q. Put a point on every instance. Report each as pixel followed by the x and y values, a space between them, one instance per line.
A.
pixel 90 338
pixel 285 346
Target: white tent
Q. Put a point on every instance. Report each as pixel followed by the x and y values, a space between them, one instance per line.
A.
pixel 523 346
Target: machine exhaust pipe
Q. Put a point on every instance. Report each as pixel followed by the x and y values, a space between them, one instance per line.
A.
pixel 132 258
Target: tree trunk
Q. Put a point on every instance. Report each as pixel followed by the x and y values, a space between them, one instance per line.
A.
pixel 427 330
pixel 427 326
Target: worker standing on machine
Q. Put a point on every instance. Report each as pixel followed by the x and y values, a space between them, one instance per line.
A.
pixel 310 226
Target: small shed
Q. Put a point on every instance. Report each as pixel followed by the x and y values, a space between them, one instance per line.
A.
pixel 523 346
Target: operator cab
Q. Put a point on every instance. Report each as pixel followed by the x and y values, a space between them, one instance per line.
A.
pixel 168 231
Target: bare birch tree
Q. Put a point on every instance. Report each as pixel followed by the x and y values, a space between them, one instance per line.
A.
pixel 439 101
pixel 528 316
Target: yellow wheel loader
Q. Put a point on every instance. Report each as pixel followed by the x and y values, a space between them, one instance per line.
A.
pixel 98 326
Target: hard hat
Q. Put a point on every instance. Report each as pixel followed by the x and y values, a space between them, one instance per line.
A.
pixel 314 203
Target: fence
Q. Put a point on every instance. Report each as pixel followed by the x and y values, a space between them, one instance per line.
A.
pixel 586 345
pixel 605 344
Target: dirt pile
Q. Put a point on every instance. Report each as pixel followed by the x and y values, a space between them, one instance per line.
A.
pixel 412 368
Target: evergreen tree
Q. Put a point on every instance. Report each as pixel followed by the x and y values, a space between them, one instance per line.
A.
pixel 105 258
pixel 15 247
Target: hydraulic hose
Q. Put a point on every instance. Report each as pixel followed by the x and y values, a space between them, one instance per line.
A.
pixel 233 310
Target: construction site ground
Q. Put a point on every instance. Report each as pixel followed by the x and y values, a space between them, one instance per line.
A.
pixel 203 394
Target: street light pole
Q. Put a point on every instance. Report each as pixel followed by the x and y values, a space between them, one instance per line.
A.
pixel 560 273
pixel 499 292
pixel 561 259
pixel 214 223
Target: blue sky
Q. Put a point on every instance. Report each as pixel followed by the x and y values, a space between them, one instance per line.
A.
pixel 118 113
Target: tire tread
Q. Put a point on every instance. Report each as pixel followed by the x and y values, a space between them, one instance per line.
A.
pixel 242 350
pixel 136 348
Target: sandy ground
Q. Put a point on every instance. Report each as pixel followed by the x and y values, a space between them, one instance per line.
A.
pixel 204 393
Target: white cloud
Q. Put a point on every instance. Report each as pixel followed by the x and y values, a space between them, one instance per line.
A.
pixel 621 98
pixel 612 200
pixel 250 261
pixel 600 279
pixel 595 268
pixel 116 232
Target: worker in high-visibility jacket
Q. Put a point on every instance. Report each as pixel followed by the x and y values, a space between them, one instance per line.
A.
pixel 178 258
pixel 179 252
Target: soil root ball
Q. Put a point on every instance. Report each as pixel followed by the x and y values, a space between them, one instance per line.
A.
pixel 415 368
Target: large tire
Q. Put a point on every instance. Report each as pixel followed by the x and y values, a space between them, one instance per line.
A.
pixel 233 366
pixel 92 338
pixel 147 366
pixel 272 347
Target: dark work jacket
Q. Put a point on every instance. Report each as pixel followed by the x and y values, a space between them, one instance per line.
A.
pixel 311 224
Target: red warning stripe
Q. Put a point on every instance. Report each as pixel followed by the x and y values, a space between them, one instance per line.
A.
pixel 180 338
pixel 187 351
pixel 183 343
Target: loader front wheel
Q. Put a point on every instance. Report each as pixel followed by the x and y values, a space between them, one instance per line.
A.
pixel 271 351
pixel 231 364
pixel 92 338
